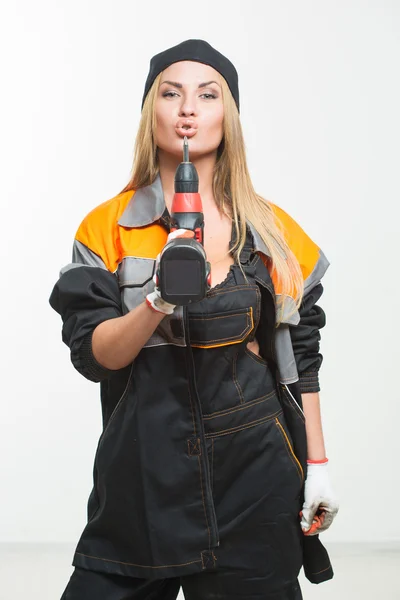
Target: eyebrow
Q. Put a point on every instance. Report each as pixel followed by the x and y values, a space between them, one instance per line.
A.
pixel 179 85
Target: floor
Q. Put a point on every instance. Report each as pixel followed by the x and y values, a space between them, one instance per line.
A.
pixel 362 572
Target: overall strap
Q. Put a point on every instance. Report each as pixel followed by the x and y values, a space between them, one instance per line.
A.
pixel 247 257
pixel 247 249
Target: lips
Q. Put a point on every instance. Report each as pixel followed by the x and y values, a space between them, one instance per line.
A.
pixel 186 127
pixel 188 122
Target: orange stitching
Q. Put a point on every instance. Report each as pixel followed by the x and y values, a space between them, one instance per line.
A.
pixel 248 404
pixel 318 572
pixel 249 323
pixel 290 451
pixel 119 562
pixel 241 427
pixel 207 318
pixel 230 343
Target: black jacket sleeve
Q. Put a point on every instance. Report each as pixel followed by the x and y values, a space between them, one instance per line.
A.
pixel 306 340
pixel 85 296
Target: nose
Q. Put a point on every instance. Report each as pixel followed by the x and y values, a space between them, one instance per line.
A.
pixel 188 108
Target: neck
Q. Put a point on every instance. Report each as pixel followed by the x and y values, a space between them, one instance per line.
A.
pixel 204 166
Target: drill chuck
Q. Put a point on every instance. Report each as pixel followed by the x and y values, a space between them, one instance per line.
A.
pixel 186 177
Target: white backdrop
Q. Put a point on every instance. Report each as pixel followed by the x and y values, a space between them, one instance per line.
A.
pixel 320 97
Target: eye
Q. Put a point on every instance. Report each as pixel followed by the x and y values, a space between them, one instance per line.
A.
pixel 169 94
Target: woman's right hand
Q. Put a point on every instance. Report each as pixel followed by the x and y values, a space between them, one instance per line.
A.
pixel 154 300
pixel 178 233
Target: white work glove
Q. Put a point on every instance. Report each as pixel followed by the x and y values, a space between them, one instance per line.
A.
pixel 320 504
pixel 154 299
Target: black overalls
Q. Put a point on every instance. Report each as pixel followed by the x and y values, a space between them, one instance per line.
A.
pixel 252 534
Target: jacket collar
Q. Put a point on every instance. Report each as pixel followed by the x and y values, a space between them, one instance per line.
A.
pixel 148 205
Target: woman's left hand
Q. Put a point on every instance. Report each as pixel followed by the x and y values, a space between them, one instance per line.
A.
pixel 320 505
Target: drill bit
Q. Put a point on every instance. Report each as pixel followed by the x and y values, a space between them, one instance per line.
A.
pixel 185 150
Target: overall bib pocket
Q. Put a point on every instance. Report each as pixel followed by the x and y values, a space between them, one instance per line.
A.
pixel 220 328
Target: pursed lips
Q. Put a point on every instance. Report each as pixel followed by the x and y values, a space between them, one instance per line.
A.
pixel 186 127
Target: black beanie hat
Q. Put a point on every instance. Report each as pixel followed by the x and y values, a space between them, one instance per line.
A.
pixel 196 50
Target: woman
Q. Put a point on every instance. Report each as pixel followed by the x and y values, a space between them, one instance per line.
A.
pixel 199 476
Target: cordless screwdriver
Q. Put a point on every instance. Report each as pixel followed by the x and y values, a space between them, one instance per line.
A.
pixel 184 274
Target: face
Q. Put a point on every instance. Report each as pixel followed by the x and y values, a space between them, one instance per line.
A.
pixel 182 102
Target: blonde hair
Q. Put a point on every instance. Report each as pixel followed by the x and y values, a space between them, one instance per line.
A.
pixel 233 192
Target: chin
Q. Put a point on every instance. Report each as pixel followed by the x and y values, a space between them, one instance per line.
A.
pixel 197 147
pixel 196 150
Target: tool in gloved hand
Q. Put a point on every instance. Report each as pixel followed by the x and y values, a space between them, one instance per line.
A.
pixel 320 505
pixel 183 274
pixel 154 299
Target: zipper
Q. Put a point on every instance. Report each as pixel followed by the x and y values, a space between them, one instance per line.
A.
pixel 214 536
pixel 294 400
